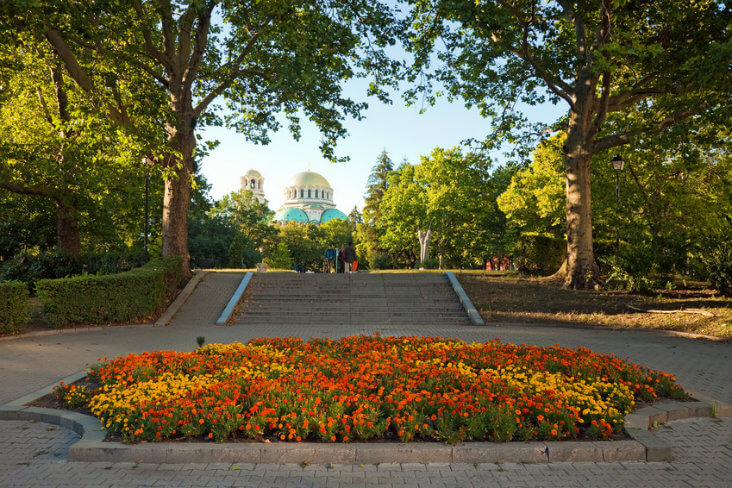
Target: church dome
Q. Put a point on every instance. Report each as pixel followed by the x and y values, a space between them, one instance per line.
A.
pixel 254 172
pixel 332 213
pixel 292 213
pixel 309 178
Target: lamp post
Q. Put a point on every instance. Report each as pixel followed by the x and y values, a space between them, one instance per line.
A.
pixel 146 230
pixel 618 167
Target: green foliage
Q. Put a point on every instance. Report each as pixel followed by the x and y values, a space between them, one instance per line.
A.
pixel 535 200
pixel 337 232
pixel 54 155
pixel 305 244
pixel 122 297
pixel 380 261
pixel 451 193
pixel 236 252
pixel 718 263
pixel 13 306
pixel 430 263
pixel 280 258
pixel 539 253
pixel 30 268
pixel 251 257
pixel 624 274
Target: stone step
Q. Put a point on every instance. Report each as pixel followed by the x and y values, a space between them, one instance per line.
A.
pixel 361 299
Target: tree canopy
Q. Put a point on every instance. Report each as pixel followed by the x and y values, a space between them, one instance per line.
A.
pixel 664 59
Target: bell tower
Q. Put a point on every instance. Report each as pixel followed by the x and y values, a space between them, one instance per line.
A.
pixel 254 182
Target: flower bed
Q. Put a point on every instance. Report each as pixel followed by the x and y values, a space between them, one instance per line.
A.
pixel 368 388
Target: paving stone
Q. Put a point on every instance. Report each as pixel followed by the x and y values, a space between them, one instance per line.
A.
pixel 701 447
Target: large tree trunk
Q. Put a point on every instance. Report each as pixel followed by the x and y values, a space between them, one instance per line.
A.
pixel 175 216
pixel 582 270
pixel 67 228
pixel 178 189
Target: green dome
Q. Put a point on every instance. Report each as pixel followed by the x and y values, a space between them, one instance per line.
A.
pixel 309 178
pixel 254 172
pixel 288 214
pixel 332 213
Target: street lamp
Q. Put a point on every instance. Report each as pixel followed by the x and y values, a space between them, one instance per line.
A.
pixel 146 164
pixel 618 164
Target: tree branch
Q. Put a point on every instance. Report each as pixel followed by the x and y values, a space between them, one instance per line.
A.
pixel 624 138
pixel 76 72
pixel 44 107
pixel 554 83
pixel 185 25
pixel 199 48
pixel 228 79
pixel 150 48
pixel 22 189
pixel 168 30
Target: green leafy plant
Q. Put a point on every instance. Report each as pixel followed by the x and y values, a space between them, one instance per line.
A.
pixel 93 299
pixel 13 306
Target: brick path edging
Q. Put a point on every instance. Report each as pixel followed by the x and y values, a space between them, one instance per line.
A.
pixel 92 447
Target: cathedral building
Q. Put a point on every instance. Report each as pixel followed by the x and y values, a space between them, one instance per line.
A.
pixel 308 197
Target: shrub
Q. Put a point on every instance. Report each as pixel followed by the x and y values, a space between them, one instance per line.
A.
pixel 13 306
pixel 30 268
pixel 539 253
pixel 113 262
pixel 718 264
pixel 93 299
pixel 380 261
pixel 280 258
pixel 430 263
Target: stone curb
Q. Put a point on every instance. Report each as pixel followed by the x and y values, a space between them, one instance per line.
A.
pixel 464 299
pixel 181 298
pixel 639 423
pixel 643 447
pixel 226 313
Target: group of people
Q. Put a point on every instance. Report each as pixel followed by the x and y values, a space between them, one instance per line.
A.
pixel 342 260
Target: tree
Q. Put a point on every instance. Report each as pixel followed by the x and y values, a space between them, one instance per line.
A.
pixel 535 199
pixel 355 217
pixel 444 199
pixel 53 147
pixel 177 58
pixel 367 236
pixel 305 244
pixel 403 211
pixel 601 58
pixel 376 185
pixel 338 232
pixel 280 257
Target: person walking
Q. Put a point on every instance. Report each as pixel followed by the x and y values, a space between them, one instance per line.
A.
pixel 341 260
pixel 350 257
pixel 330 256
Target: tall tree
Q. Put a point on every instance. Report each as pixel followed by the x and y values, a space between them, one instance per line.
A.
pixel 599 57
pixel 262 57
pixel 367 235
pixel 54 147
pixel 376 185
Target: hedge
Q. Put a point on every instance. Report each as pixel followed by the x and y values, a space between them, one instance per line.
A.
pixel 121 297
pixel 13 306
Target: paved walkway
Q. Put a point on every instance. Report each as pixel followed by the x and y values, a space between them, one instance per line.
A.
pixel 33 454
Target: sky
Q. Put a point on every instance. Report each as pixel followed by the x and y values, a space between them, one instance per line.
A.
pixel 402 131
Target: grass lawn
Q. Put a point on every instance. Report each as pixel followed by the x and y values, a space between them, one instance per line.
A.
pixel 506 299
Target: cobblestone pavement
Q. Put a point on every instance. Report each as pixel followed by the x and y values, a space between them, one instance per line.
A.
pixel 33 454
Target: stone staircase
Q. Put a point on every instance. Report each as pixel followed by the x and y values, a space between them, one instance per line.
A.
pixel 350 299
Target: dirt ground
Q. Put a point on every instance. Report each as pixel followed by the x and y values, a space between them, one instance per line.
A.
pixel 507 299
